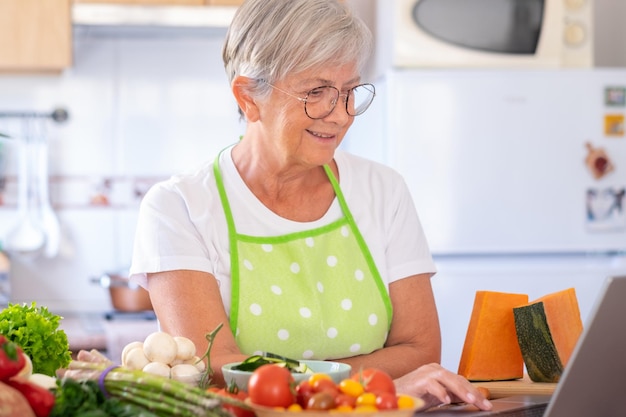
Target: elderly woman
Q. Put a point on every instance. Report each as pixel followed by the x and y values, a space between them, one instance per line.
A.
pixel 304 250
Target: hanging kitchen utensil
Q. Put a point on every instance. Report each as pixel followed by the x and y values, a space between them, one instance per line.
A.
pixel 27 236
pixel 49 221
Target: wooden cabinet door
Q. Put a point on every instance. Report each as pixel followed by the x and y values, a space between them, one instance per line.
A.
pixel 35 35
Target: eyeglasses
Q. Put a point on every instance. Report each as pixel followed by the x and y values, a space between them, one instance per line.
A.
pixel 321 101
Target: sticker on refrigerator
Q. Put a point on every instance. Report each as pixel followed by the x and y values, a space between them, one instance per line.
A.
pixel 614 125
pixel 597 161
pixel 605 210
pixel 615 96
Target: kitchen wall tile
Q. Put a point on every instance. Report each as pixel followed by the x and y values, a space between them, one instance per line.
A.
pixel 140 109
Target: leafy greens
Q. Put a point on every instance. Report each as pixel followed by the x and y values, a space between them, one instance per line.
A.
pixel 36 331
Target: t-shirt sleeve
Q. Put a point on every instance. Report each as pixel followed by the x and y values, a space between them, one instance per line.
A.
pixel 166 237
pixel 407 247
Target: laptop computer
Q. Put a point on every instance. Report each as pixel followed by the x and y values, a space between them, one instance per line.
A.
pixel 593 383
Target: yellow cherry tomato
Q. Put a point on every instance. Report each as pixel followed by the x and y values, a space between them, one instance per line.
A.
pixel 294 407
pixel 342 409
pixel 405 402
pixel 366 399
pixel 365 408
pixel 317 377
pixel 351 387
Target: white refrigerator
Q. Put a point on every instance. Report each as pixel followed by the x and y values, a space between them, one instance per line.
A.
pixel 518 177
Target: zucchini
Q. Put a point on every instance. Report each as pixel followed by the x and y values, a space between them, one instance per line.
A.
pixel 256 361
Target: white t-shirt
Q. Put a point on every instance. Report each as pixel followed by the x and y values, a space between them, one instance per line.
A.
pixel 182 224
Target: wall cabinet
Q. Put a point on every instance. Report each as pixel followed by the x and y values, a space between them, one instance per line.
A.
pixel 35 35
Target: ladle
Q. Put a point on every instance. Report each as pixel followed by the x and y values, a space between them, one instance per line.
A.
pixel 27 236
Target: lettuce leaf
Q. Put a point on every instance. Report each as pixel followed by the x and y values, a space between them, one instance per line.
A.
pixel 37 332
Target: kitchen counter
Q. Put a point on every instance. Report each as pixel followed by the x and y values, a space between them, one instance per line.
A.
pixel 84 331
pixel 106 332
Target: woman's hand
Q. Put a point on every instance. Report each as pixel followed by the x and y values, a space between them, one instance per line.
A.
pixel 436 385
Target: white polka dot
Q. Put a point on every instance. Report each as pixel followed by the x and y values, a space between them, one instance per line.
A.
pixel 237 332
pixel 258 352
pixel 359 275
pixel 309 242
pixel 355 348
pixel 248 265
pixel 276 289
pixel 283 334
pixel 320 287
pixel 256 309
pixel 267 247
pixel 345 232
pixel 372 319
pixel 346 304
pixel 331 260
pixel 307 354
pixel 305 312
pixel 295 267
pixel 332 333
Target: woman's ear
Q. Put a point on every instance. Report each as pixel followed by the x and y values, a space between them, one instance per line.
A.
pixel 241 87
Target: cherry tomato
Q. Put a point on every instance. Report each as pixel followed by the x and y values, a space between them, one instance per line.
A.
pixel 376 381
pixel 345 400
pixel 366 399
pixel 304 391
pixel 325 385
pixel 405 402
pixel 321 401
pixel 272 386
pixel 318 376
pixel 233 392
pixel 386 401
pixel 351 387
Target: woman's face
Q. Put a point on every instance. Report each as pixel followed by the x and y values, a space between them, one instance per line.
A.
pixel 288 130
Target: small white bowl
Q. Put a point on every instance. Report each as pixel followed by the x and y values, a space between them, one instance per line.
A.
pixel 336 370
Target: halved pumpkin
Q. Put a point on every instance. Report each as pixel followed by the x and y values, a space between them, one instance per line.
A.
pixel 491 351
pixel 547 332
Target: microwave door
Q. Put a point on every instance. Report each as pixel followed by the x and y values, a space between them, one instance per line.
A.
pixel 500 26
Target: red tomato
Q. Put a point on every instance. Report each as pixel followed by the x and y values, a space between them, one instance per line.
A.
pixel 304 391
pixel 376 381
pixel 272 386
pixel 386 401
pixel 232 408
pixel 326 385
pixel 345 400
pixel 321 401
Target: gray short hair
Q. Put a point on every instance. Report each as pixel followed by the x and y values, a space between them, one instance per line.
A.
pixel 269 39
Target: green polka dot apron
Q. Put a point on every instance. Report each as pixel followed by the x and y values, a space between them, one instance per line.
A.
pixel 315 294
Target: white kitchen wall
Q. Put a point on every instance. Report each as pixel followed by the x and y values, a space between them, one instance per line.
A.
pixel 142 106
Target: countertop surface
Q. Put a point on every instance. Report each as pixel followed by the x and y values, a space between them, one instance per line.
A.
pixel 107 332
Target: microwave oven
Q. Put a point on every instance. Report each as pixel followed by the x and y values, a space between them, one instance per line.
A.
pixel 491 33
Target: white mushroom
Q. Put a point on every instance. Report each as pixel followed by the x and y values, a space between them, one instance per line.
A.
pixel 136 359
pixel 128 347
pixel 195 361
pixel 160 347
pixel 186 348
pixel 185 373
pixel 157 368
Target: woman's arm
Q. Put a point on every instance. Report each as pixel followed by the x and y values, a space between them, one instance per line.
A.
pixel 188 303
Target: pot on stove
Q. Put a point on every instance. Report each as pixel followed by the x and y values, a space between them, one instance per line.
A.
pixel 125 295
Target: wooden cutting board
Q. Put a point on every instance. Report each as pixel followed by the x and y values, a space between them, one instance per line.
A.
pixel 498 389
